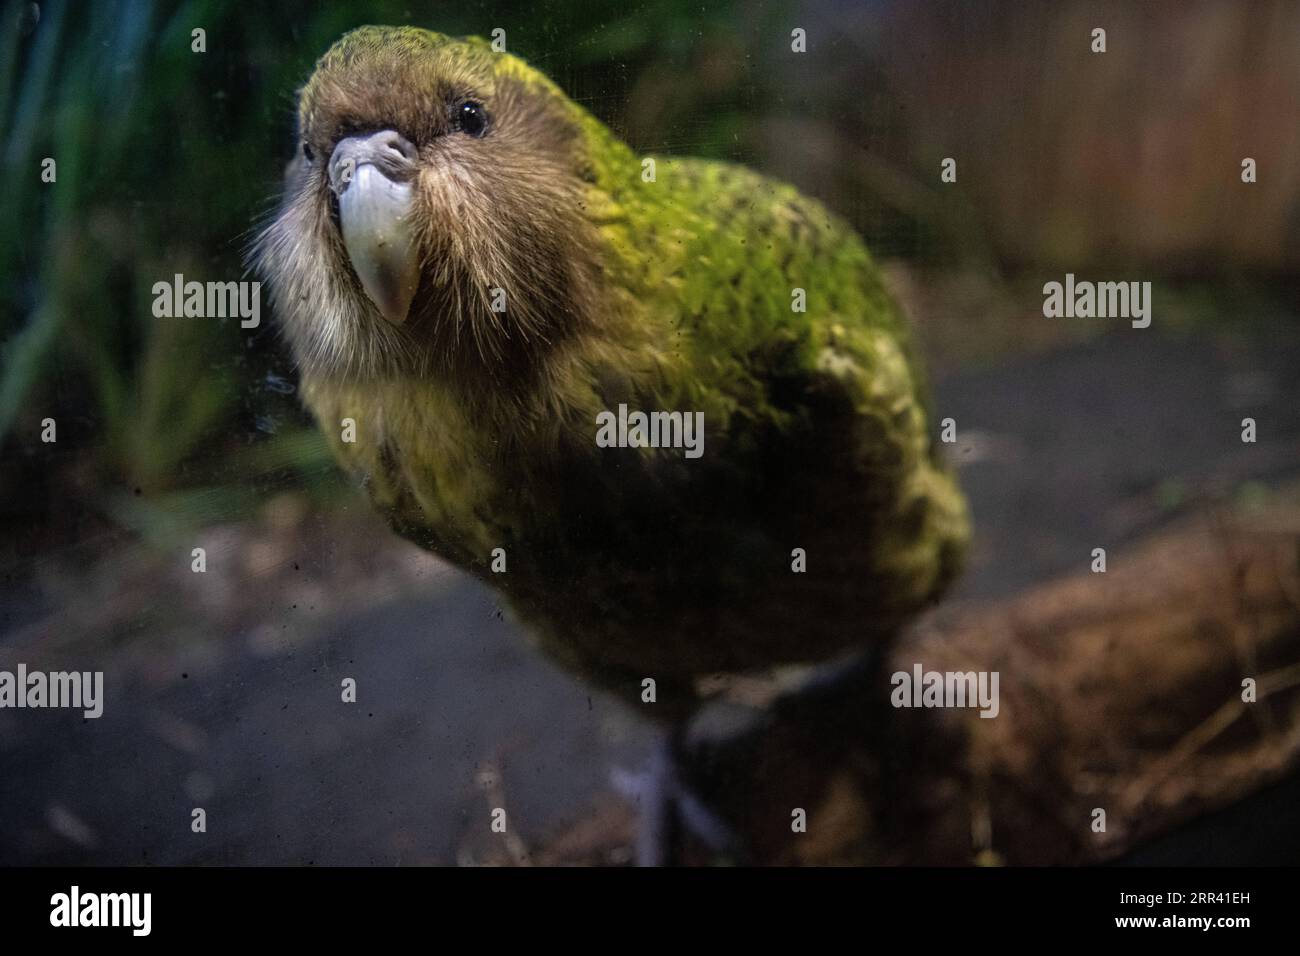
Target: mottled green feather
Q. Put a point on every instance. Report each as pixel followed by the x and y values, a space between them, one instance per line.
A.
pixel 636 563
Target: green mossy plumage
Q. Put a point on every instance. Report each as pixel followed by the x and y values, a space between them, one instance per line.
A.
pixel 633 563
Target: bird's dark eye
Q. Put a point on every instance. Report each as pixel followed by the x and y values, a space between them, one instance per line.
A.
pixel 308 153
pixel 470 118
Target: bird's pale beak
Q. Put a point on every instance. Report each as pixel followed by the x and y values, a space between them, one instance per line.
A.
pixel 371 176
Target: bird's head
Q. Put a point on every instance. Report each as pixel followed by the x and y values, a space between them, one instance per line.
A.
pixel 433 217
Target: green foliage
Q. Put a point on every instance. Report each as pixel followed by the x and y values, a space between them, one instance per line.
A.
pixel 96 89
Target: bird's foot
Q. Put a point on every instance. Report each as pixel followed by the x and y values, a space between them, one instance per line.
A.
pixel 673 816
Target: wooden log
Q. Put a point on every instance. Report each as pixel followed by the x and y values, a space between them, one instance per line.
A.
pixel 1127 691
pixel 1120 692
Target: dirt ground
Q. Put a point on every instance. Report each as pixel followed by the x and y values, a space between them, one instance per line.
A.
pixel 227 697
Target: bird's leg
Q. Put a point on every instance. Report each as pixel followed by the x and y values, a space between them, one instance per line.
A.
pixel 656 838
pixel 672 813
pixel 719 778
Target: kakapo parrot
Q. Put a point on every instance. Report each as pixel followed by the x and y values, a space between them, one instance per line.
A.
pixel 478 275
